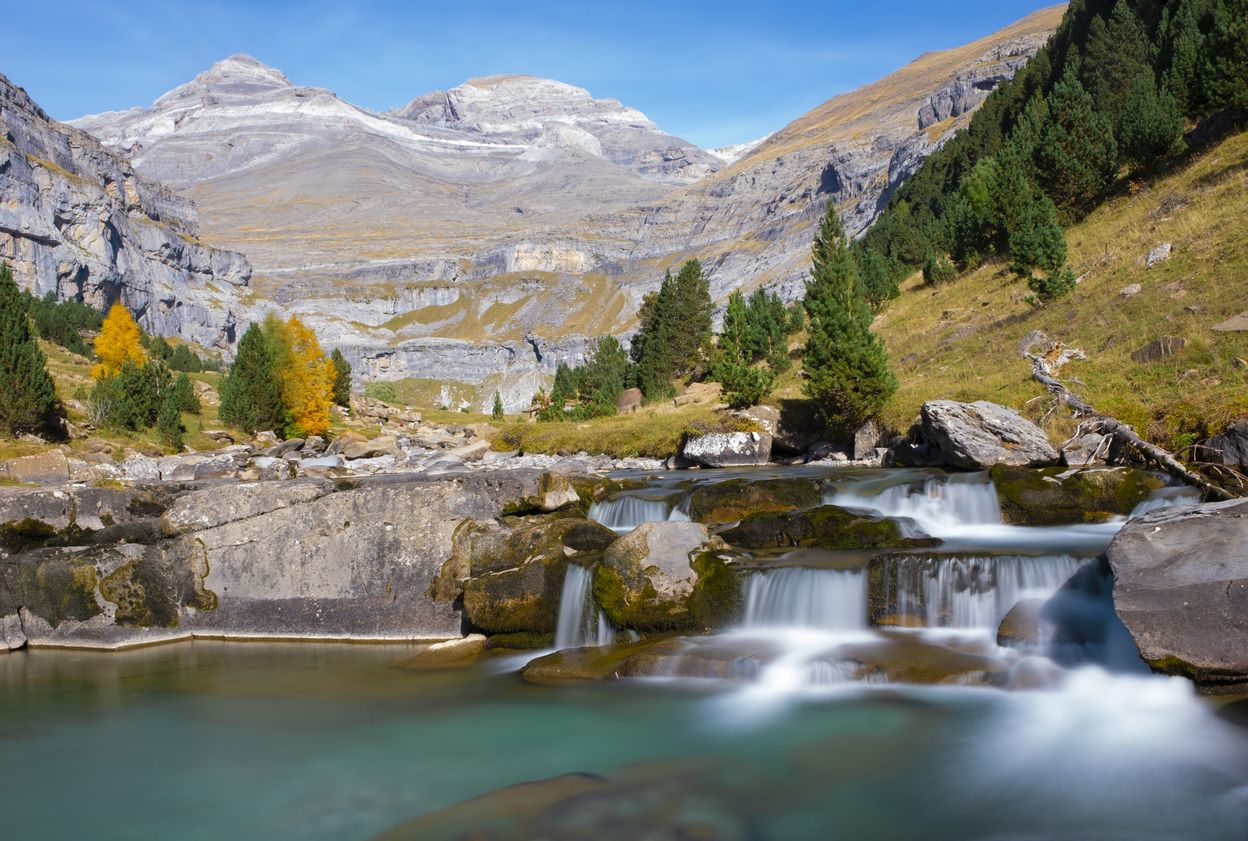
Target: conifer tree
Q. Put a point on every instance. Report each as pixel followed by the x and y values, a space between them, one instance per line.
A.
pixel 1151 122
pixel 601 379
pixel 169 422
pixel 496 413
pixel 1037 240
pixel 1225 67
pixel 847 371
pixel 1117 51
pixel 183 394
pixel 251 396
pixel 1183 46
pixel 120 340
pixel 307 381
pixel 653 347
pixel 692 312
pixel 744 384
pixel 937 269
pixel 342 378
pixel 27 394
pixel 1077 155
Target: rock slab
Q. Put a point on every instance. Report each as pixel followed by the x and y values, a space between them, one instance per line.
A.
pixel 976 436
pixel 1181 588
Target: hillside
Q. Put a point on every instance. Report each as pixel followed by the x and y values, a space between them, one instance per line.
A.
pixel 961 340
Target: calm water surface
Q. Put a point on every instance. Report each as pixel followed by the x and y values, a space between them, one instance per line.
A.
pixel 234 740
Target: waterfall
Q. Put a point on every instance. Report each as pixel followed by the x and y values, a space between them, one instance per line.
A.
pixel 958 591
pixel 1165 498
pixel 941 505
pixel 581 623
pixel 624 512
pixel 823 599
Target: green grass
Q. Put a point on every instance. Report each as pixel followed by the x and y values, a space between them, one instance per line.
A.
pixel 651 433
pixel 960 341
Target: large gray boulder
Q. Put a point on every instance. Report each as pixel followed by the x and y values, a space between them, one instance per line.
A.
pixel 1181 588
pixel 728 449
pixel 976 436
pixel 1229 448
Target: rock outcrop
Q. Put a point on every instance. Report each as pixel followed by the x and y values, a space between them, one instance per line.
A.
pixel 78 221
pixel 727 449
pixel 1181 588
pixel 305 558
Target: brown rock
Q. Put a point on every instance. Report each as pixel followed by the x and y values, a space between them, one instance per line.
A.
pixel 50 468
pixel 1159 349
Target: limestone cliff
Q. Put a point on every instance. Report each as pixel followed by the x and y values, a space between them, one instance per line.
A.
pixel 77 220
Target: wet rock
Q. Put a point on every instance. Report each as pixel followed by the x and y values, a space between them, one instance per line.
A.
pixel 975 436
pixel 728 502
pixel 1230 448
pixel 728 449
pixel 1159 349
pixel 1181 589
pixel 50 468
pixel 667 576
pixel 12 637
pixel 1056 496
pixel 1021 627
pixel 827 527
pixel 510 577
pixel 451 653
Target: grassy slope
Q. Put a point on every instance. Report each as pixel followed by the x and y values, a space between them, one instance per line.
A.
pixel 961 341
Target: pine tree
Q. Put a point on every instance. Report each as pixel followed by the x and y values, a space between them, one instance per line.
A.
pixel 1077 155
pixel 847 371
pixel 735 338
pixel 1037 240
pixel 184 395
pixel 601 379
pixel 120 340
pixel 169 422
pixel 693 311
pixel 1183 45
pixel 1225 66
pixel 342 378
pixel 1151 122
pixel 1116 52
pixel 653 346
pixel 937 269
pixel 496 413
pixel 27 394
pixel 251 397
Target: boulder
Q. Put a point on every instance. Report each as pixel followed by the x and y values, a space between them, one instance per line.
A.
pixel 284 448
pixel 511 577
pixel 452 653
pixel 975 436
pixel 728 449
pixel 266 469
pixel 866 439
pixel 1021 627
pixel 50 468
pixel 474 451
pixel 728 502
pixel 628 402
pixel 1181 589
pixel 1158 254
pixel 382 445
pixel 827 527
pixel 1159 349
pixel 1235 324
pixel 667 576
pixel 1055 496
pixel 1229 448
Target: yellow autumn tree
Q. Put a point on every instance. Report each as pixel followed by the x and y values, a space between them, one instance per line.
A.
pixel 307 378
pixel 119 341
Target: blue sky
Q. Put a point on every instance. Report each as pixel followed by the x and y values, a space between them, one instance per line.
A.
pixel 714 73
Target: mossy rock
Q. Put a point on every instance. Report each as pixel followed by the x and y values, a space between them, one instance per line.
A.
pixel 522 599
pixel 53 584
pixel 1054 496
pixel 825 527
pixel 555 492
pixel 146 594
pixel 592 663
pixel 728 502
pixel 522 641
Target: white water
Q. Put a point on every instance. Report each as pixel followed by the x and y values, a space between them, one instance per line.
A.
pixel 625 512
pixel 972 592
pixel 581 623
pixel 1166 498
pixel 794 597
pixel 941 505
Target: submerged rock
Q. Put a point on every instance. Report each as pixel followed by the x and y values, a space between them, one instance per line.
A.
pixel 728 502
pixel 1181 589
pixel 827 527
pixel 1055 496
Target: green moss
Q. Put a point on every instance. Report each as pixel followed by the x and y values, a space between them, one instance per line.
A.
pixel 727 502
pixel 522 641
pixel 717 598
pixel 826 527
pixel 1031 496
pixel 122 589
pixel 23 534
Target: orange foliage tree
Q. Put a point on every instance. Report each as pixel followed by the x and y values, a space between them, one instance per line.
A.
pixel 119 341
pixel 307 376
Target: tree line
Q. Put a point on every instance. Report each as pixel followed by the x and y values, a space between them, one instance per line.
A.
pixel 1110 93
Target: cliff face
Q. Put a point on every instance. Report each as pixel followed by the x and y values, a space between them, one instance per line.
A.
pixel 77 220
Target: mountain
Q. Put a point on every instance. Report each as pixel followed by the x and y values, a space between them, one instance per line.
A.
pixel 510 217
pixel 78 221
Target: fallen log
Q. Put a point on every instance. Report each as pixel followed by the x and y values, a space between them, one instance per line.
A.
pixel 1044 369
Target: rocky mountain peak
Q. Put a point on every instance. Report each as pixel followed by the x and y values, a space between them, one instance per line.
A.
pixel 239 76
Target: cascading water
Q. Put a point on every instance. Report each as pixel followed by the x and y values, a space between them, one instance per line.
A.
pixel 1167 498
pixel 956 591
pixel 941 505
pixel 580 623
pixel 624 512
pixel 823 599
